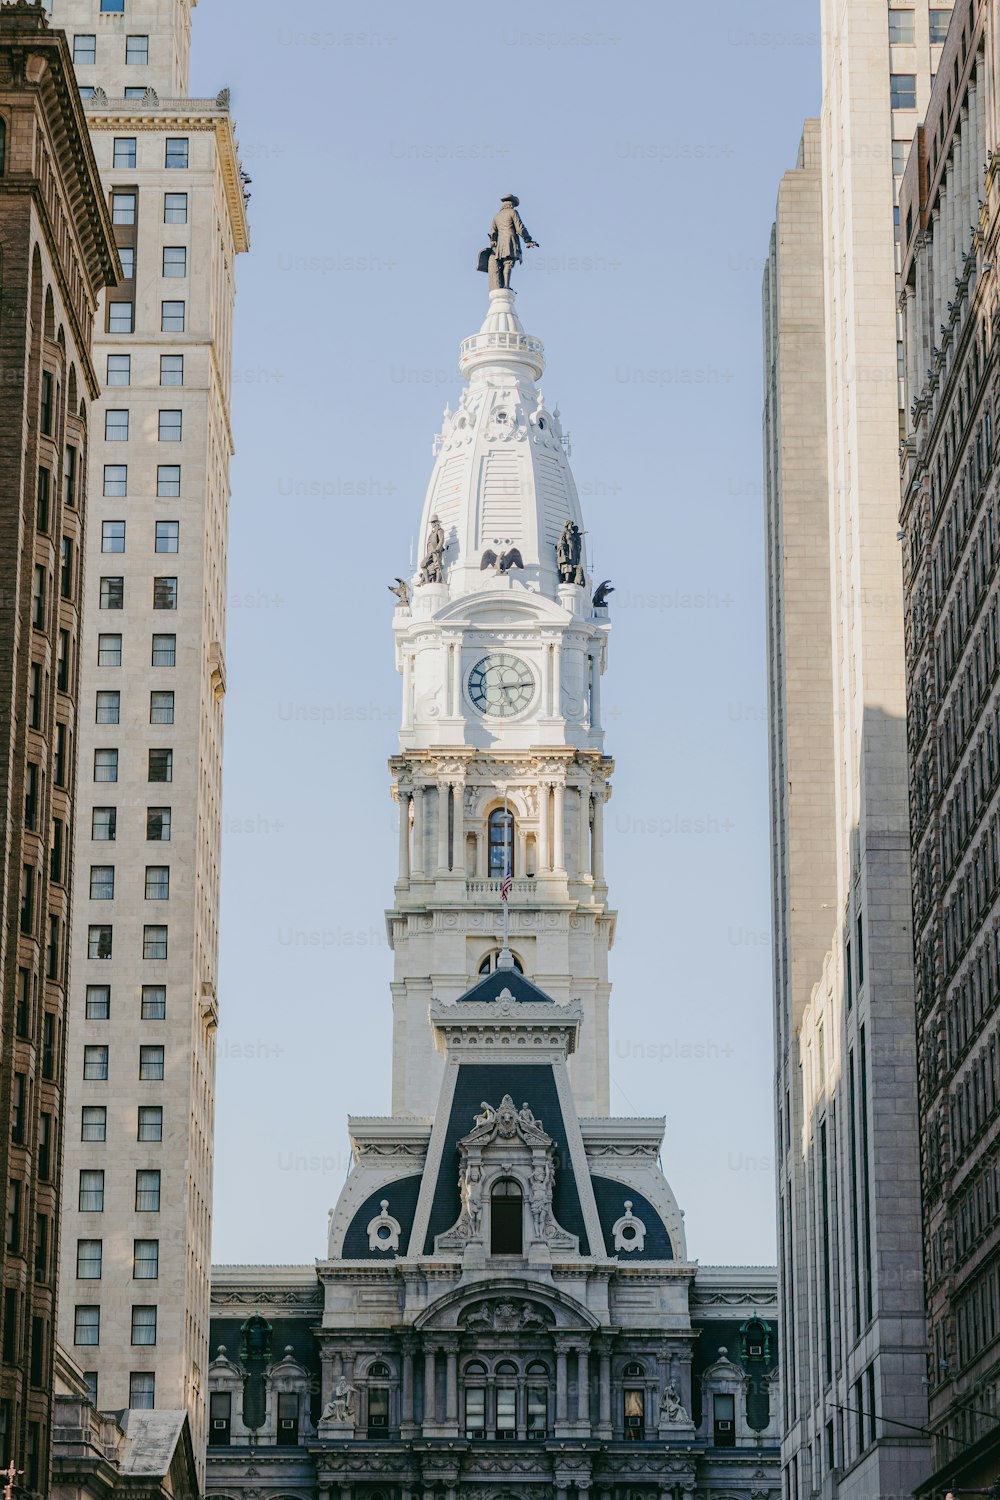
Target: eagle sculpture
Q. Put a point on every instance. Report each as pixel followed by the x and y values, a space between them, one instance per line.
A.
pixel 502 562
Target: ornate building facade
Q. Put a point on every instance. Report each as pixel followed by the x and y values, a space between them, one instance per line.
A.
pixel 506 1306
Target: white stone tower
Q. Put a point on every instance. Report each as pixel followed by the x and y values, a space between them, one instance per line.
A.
pixel 501 663
pixel 140 1091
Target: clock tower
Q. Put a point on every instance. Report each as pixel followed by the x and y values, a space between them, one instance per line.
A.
pixel 501 652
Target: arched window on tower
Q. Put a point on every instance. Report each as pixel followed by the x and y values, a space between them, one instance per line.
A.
pixel 475 1400
pixel 506 1218
pixel 378 1399
pixel 501 843
pixel 538 1402
pixel 506 1394
pixel 489 963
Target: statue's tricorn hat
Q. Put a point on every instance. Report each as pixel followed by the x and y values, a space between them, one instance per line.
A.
pixel 510 198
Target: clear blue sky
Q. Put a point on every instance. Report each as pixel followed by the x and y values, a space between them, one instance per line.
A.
pixel 646 144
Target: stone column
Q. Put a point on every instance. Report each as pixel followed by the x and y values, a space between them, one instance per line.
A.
pixel 430 1386
pixel 419 823
pixel 407 1387
pixel 561 1386
pixel 407 690
pixel 451 1388
pixel 599 839
pixel 482 867
pixel 404 835
pixel 559 827
pixel 544 804
pixel 442 830
pixel 456 679
pixel 585 865
pixel 604 1389
pixel 557 678
pixel 583 1385
pixel 595 693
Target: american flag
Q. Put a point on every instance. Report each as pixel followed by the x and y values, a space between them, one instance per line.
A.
pixel 506 884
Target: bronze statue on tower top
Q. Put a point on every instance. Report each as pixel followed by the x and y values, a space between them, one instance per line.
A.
pixel 506 235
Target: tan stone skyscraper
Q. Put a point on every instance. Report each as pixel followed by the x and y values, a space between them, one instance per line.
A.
pixel 141 1058
pixel 850 1253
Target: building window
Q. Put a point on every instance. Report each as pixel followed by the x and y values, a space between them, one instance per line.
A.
pixel 177 152
pixel 171 426
pixel 35 696
pixel 150 1122
pixel 161 765
pixel 17 1109
pixel 31 797
pixel 144 1325
pixel 60 759
pixel 108 707
pixel 940 20
pixel 506 1218
pixel 12 1232
pixel 94 1123
pixel 56 851
pixel 112 593
pixel 113 536
pixel 171 369
pixel 903 90
pixel 161 708
pixel 42 500
pixel 121 317
pixel 158 824
pixel 634 1404
pixel 164 650
pixel 124 153
pixel 151 1064
pixel 146 1260
pixel 119 369
pixel 288 1419
pixel 105 765
pixel 172 317
pixel 99 942
pixel 501 843
pixel 116 7
pixel 126 254
pixel 175 260
pixel 136 51
pixel 154 942
pixel 62 662
pixel 66 568
pixel 168 481
pixel 175 208
pixel 724 1421
pixel 135 92
pixel 116 426
pixel 154 1002
pixel 69 476
pixel 91 1192
pixel 104 824
pixel 378 1400
pixel 28 899
pixel 901 27
pixel 87 93
pixel 164 593
pixel 84 50
pixel 142 1390
pixel 168 536
pixel 102 882
pixel 116 480
pixel 475 1401
pixel 89 1255
pixel 157 883
pixel 87 1325
pixel 147 1192
pixel 45 410
pixel 95 1064
pixel 98 1002
pixel 123 207
pixel 220 1419
pixel 39 581
pixel 109 650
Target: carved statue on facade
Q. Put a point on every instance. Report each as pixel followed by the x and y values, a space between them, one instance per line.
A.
pixel 401 591
pixel 471 1184
pixel 540 1199
pixel 601 594
pixel 671 1409
pixel 569 554
pixel 432 562
pixel 506 234
pixel 340 1407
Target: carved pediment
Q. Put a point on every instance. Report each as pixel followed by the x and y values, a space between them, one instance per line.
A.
pixel 505 1315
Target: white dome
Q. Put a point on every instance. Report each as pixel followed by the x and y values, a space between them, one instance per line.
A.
pixel 501 477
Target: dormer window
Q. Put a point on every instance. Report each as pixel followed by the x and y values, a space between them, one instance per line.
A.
pixel 506 1218
pixel 489 963
pixel 634 1402
pixel 501 842
pixel 378 1400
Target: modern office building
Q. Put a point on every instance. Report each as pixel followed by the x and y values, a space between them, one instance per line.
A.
pixel 141 1053
pixel 850 1258
pixel 57 257
pixel 950 211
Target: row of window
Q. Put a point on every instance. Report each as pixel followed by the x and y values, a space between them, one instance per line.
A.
pixel 145 1260
pixel 87 1325
pixel 153 1002
pixel 168 481
pixel 147 1188
pixel 116 426
pixel 160 765
pixel 96 1061
pixel 109 704
pixel 125 207
pixel 40 584
pixel 174 263
pixel 94 1127
pixel 100 941
pixel 109 653
pixel 902 31
pixel 166 536
pixel 119 369
pixel 104 824
pixel 141 1389
pixel 85 46
pixel 121 317
pixel 102 883
pixel 113 593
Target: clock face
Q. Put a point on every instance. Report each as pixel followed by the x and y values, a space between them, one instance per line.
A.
pixel 501 685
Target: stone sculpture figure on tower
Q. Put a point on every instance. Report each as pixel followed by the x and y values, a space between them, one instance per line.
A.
pixel 506 233
pixel 432 562
pixel 569 554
